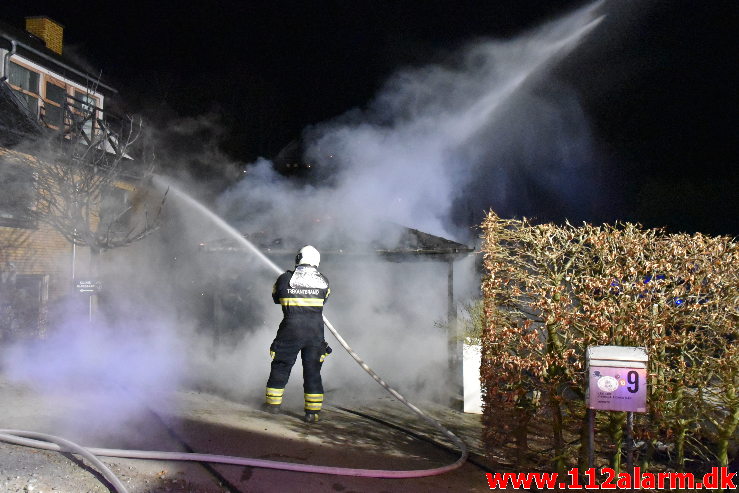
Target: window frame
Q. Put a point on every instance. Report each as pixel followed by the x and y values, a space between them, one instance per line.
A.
pixel 86 103
pixel 21 217
pixel 26 92
pixel 70 88
pixel 51 81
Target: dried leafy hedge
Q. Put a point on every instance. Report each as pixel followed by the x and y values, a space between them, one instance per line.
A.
pixel 551 291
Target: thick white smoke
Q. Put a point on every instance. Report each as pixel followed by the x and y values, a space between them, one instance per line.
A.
pixel 437 143
pixel 429 134
pixel 431 137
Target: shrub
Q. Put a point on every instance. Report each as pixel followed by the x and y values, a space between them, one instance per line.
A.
pixel 552 291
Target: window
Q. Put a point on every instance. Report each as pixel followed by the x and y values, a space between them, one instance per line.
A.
pixel 53 101
pixel 17 195
pixel 85 104
pixel 54 104
pixel 25 82
pixel 23 303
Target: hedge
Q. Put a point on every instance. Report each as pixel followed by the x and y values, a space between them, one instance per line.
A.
pixel 551 291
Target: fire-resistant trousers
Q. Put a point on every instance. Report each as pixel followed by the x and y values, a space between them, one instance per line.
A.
pixel 285 353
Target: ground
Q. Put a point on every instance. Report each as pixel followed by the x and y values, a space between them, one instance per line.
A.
pixel 208 423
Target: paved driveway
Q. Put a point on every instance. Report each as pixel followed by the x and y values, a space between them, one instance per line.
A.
pixel 197 421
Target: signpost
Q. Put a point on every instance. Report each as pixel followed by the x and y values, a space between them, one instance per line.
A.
pixel 617 381
pixel 88 287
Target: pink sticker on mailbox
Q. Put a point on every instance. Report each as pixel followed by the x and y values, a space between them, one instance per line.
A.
pixel 617 389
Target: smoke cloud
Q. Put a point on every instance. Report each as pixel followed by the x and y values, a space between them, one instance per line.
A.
pixel 438 146
pixel 435 133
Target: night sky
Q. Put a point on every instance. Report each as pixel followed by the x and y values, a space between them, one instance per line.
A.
pixel 658 83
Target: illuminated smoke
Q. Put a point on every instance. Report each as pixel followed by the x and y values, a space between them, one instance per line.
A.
pixel 436 140
pixel 438 144
pixel 434 135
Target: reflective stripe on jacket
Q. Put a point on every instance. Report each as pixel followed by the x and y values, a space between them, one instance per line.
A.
pixel 302 302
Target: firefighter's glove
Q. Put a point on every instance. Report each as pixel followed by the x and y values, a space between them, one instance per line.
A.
pixel 325 351
pixel 272 351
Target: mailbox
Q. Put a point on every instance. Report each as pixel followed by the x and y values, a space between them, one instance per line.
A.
pixel 617 378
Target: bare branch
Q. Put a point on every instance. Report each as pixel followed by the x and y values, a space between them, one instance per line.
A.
pixel 79 174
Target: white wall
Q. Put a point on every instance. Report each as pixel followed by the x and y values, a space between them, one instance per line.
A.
pixel 471 357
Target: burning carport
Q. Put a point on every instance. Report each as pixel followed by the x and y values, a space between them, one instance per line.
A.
pixel 339 248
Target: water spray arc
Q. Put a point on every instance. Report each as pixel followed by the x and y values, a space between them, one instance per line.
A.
pixel 54 443
pixel 458 129
pixel 369 472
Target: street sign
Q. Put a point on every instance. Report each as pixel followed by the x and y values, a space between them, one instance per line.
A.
pixel 87 286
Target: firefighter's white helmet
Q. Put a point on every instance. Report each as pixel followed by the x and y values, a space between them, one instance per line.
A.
pixel 308 255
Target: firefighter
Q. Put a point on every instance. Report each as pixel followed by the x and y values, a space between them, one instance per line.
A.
pixel 301 293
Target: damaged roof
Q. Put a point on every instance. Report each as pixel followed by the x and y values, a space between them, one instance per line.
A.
pixel 405 242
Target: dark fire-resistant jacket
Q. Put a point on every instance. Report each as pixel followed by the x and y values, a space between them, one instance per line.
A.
pixel 301 293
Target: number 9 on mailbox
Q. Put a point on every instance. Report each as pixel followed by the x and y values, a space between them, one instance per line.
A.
pixel 617 378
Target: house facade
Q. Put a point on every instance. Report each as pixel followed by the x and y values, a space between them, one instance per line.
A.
pixel 53 90
pixel 41 92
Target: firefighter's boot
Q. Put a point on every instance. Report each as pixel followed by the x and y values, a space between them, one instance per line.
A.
pixel 271 408
pixel 273 400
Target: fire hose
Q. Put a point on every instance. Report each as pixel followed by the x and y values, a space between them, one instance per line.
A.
pixel 50 442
